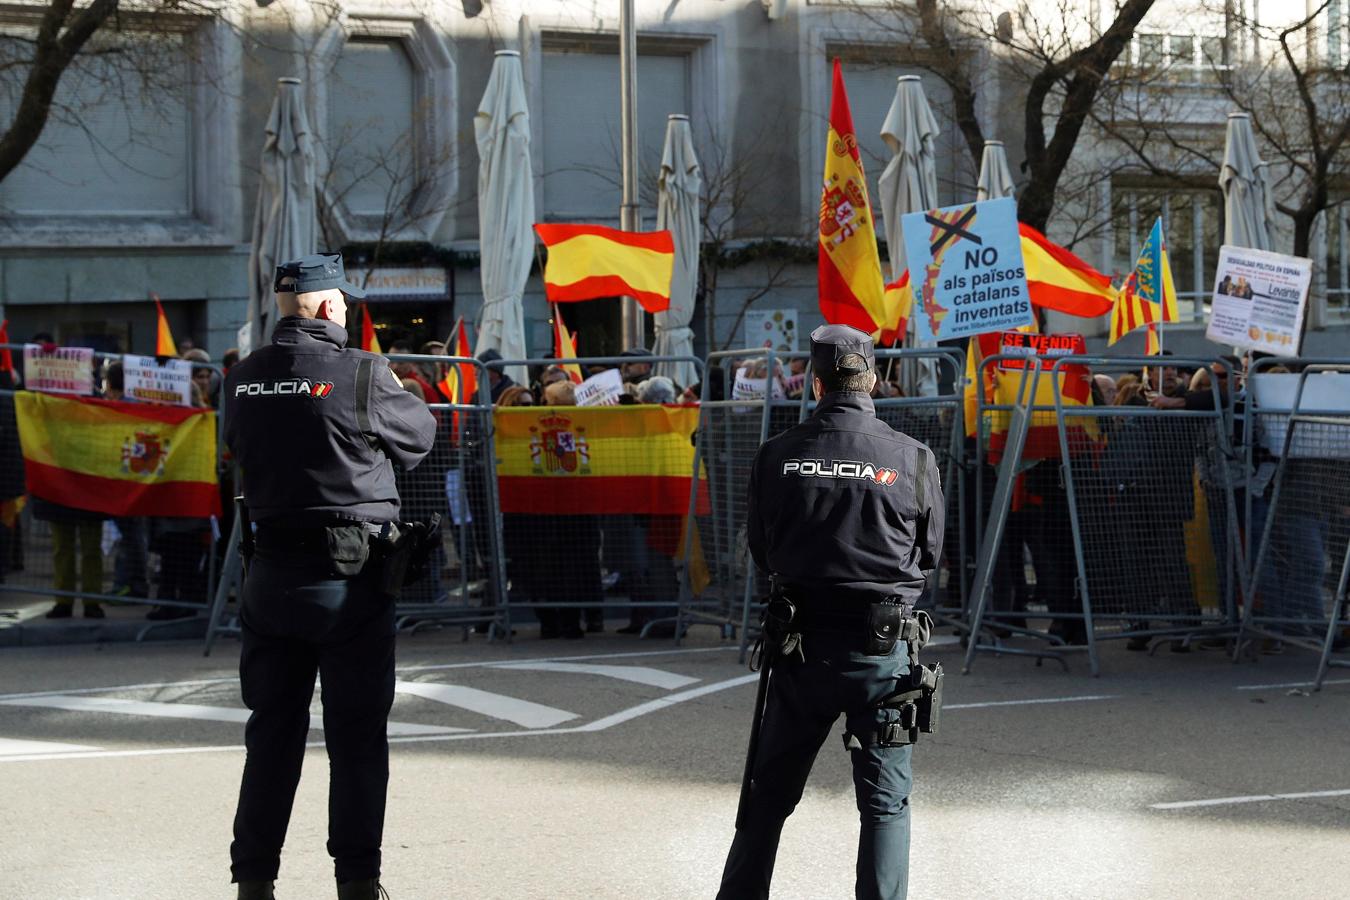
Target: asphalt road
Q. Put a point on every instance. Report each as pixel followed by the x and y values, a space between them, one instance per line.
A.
pixel 608 768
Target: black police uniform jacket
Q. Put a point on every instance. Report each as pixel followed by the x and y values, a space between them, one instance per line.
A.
pixel 315 427
pixel 842 501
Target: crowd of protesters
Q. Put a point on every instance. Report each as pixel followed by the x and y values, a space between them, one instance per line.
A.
pixel 1141 482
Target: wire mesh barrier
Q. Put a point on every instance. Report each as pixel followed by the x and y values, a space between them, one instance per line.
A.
pixel 1104 521
pixel 594 499
pixel 1300 510
pixel 77 555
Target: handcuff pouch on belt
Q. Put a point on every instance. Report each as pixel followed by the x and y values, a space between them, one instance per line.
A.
pixel 918 703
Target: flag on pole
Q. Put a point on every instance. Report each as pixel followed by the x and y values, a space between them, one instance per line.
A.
pixel 369 342
pixel 6 357
pixel 1148 295
pixel 849 267
pixel 565 346
pixel 899 306
pixel 164 343
pixel 586 262
pixel 460 384
pixel 1059 280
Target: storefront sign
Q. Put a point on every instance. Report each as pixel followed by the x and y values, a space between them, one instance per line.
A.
pixel 407 283
pixel 773 329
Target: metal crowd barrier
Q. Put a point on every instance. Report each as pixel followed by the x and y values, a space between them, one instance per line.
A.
pixel 1108 522
pixel 576 571
pixel 165 563
pixel 1299 500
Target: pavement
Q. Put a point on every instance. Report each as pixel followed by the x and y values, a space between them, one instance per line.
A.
pixel 609 768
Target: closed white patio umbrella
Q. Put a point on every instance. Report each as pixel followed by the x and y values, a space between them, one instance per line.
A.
pixel 677 209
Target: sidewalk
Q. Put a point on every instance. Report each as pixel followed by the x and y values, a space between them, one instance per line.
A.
pixel 22 624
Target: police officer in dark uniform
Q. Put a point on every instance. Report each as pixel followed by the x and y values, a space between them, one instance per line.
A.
pixel 316 428
pixel 847 517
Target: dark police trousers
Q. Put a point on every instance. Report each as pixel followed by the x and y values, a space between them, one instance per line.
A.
pixel 804 700
pixel 298 620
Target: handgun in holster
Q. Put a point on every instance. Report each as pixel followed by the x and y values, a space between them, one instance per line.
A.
pixel 246 544
pixel 402 550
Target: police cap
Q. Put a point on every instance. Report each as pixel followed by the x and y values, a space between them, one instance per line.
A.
pixel 316 272
pixel 842 350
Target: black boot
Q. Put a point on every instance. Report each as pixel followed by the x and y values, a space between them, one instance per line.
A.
pixel 256 890
pixel 366 889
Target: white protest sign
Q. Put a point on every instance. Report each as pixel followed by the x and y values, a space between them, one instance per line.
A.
pixel 774 329
pixel 747 388
pixel 63 370
pixel 146 381
pixel 603 389
pixel 1259 300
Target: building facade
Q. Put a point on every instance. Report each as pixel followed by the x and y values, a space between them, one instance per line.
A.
pixel 143 182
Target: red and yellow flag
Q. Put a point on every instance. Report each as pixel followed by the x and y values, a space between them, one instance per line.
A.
pixel 569 460
pixel 849 267
pixel 121 459
pixel 369 342
pixel 1059 280
pixel 565 346
pixel 164 343
pixel 899 303
pixel 6 357
pixel 460 384
pixel 1148 295
pixel 586 262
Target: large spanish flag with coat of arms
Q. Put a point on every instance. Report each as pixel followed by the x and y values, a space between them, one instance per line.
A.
pixel 121 459
pixel 849 264
pixel 569 460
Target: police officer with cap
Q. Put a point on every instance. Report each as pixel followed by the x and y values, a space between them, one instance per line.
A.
pixel 846 515
pixel 317 428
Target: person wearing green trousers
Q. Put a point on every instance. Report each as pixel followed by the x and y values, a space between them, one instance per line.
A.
pixel 77 556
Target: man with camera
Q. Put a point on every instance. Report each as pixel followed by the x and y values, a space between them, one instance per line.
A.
pixel 316 428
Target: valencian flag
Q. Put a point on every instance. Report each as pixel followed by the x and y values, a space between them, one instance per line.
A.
pixel 899 301
pixel 460 384
pixel 164 343
pixel 849 267
pixel 599 460
pixel 121 459
pixel 369 342
pixel 1148 295
pixel 586 262
pixel 565 346
pixel 1059 280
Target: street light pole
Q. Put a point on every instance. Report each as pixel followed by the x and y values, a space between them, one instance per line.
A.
pixel 632 326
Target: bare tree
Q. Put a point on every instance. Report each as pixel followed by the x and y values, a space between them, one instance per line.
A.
pixel 1056 62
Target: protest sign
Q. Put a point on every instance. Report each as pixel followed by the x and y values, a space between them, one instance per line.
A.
pixel 147 381
pixel 747 388
pixel 1259 300
pixel 603 389
pixel 965 263
pixel 1047 346
pixel 773 329
pixel 61 370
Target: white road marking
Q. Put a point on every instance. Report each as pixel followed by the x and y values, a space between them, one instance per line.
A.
pixel 496 706
pixel 185 711
pixel 16 747
pixel 1289 684
pixel 598 725
pixel 636 674
pixel 1029 702
pixel 487 663
pixel 1253 798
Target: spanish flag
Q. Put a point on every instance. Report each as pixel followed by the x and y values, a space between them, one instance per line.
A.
pixel 596 460
pixel 369 342
pixel 1148 295
pixel 460 384
pixel 121 459
pixel 849 267
pixel 899 301
pixel 6 357
pixel 586 262
pixel 164 343
pixel 1059 280
pixel 565 346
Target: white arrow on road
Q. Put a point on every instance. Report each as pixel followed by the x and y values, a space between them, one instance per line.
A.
pixel 188 711
pixel 496 706
pixel 636 674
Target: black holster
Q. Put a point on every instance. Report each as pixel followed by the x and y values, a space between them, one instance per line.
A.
pixel 402 551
